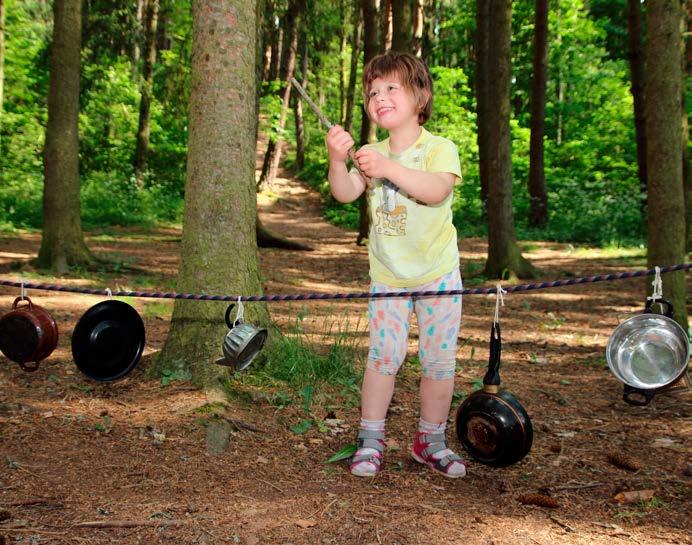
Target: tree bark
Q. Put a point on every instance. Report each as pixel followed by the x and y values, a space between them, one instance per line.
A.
pixel 418 26
pixel 272 157
pixel 144 126
pixel 298 102
pixel 2 56
pixel 504 259
pixel 353 73
pixel 402 25
pixel 219 250
pixel 62 243
pixel 386 25
pixel 538 211
pixel 637 70
pixel 367 127
pixel 482 90
pixel 686 170
pixel 666 214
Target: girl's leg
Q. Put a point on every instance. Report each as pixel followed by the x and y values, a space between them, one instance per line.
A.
pixel 438 323
pixel 389 327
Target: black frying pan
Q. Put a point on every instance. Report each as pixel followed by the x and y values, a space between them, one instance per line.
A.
pixel 491 424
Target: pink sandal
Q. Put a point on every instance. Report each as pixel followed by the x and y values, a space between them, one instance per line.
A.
pixel 427 445
pixel 367 460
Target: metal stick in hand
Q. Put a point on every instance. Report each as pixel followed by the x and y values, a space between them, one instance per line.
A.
pixel 326 123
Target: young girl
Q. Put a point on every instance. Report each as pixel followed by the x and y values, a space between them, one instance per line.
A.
pixel 412 247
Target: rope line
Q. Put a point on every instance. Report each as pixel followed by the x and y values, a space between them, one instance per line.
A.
pixel 357 295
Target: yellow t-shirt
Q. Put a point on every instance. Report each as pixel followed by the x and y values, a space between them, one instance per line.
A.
pixel 411 243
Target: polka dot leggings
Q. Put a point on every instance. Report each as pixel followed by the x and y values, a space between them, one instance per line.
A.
pixel 439 319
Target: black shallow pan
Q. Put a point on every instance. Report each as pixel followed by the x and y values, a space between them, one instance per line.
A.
pixel 108 341
pixel 491 424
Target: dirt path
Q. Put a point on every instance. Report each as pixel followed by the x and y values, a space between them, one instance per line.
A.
pixel 74 451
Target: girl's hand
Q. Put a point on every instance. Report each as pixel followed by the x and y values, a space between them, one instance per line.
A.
pixel 372 164
pixel 338 144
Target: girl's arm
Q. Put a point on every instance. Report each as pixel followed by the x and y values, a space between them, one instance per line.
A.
pixel 345 186
pixel 427 187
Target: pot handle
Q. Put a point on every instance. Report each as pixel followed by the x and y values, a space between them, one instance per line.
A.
pixel 641 397
pixel 668 312
pixel 19 300
pixel 492 376
pixel 229 323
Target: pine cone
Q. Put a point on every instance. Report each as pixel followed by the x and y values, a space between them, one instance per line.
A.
pixel 538 499
pixel 623 462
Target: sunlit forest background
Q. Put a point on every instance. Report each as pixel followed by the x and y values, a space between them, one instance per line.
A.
pixel 590 150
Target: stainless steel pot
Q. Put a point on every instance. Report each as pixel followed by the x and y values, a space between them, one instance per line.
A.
pixel 241 344
pixel 648 352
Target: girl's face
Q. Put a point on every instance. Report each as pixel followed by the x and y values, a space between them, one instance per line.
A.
pixel 390 104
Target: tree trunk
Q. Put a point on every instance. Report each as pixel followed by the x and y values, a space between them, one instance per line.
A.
pixel 418 26
pixel 144 127
pixel 298 102
pixel 219 250
pixel 402 25
pixel 2 57
pixel 272 156
pixel 268 38
pixel 538 212
pixel 636 58
pixel 353 73
pixel 62 243
pixel 342 64
pixel 386 22
pixel 136 46
pixel 482 90
pixel 504 258
pixel 686 170
pixel 277 35
pixel 666 213
pixel 367 127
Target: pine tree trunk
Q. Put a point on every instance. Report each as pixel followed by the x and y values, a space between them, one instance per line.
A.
pixel 538 211
pixel 386 23
pixel 367 127
pixel 504 258
pixel 2 56
pixel 353 73
pixel 298 102
pixel 288 58
pixel 62 244
pixel 686 170
pixel 219 250
pixel 402 25
pixel 666 218
pixel 482 90
pixel 144 126
pixel 418 26
pixel 136 46
pixel 636 58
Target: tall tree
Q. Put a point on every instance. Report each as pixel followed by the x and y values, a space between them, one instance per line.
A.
pixel 418 27
pixel 504 257
pixel 538 210
pixel 482 88
pixel 301 75
pixel 2 55
pixel 666 218
pixel 386 25
pixel 62 243
pixel 353 72
pixel 402 25
pixel 219 251
pixel 272 156
pixel 151 11
pixel 636 59
pixel 367 127
pixel 687 76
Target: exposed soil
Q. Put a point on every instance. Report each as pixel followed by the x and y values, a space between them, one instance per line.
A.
pixel 135 455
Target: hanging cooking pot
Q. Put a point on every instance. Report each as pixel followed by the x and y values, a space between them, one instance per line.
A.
pixel 241 344
pixel 28 333
pixel 648 352
pixel 491 424
pixel 108 340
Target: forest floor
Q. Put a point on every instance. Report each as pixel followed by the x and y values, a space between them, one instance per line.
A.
pixel 131 462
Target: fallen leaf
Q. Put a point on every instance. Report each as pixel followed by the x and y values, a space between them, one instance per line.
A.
pixel 634 496
pixel 306 523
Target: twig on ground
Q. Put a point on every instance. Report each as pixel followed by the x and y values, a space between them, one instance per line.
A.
pixel 553 395
pixel 34 501
pixel 576 486
pixel 322 509
pixel 272 485
pixel 126 523
pixel 562 523
pixel 240 425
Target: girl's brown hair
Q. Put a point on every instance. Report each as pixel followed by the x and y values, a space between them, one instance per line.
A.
pixel 411 72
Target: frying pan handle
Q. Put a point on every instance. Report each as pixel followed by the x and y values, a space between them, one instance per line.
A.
pixel 668 312
pixel 637 396
pixel 492 376
pixel 229 323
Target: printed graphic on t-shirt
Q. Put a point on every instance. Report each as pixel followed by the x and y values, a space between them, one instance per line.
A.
pixel 392 223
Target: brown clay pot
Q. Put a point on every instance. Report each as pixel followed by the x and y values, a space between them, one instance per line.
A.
pixel 28 333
